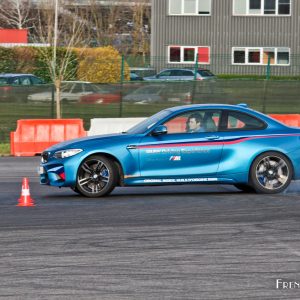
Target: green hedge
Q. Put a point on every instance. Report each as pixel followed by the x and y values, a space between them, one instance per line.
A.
pixel 7 61
pixel 256 77
pixel 92 64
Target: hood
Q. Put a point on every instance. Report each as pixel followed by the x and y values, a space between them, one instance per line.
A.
pixel 88 141
pixel 42 95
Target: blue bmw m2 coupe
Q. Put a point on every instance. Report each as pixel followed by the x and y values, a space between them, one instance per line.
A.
pixel 227 144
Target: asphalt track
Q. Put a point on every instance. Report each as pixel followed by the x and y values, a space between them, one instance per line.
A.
pixel 183 242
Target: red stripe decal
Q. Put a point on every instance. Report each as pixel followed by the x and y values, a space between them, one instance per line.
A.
pixel 214 143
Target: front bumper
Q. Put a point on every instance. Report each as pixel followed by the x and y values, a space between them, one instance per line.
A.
pixel 59 171
pixel 53 176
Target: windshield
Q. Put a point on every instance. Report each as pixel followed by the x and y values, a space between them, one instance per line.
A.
pixel 149 90
pixel 148 123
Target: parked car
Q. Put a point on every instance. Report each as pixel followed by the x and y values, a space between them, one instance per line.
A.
pixel 135 77
pixel 71 91
pixel 151 93
pixel 102 95
pixel 16 87
pixel 182 74
pixel 237 146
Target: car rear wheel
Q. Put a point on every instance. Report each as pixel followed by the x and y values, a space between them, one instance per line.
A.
pixel 271 173
pixel 96 176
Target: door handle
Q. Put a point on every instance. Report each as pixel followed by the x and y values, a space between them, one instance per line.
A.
pixel 130 147
pixel 212 137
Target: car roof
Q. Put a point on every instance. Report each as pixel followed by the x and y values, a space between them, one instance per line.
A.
pixel 184 69
pixel 237 107
pixel 14 75
pixel 75 81
pixel 240 107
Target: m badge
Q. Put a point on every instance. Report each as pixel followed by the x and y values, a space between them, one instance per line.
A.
pixel 175 158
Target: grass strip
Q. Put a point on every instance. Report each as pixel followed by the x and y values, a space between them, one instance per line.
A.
pixel 4 149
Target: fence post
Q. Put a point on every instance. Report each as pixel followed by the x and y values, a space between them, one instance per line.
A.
pixel 196 67
pixel 121 86
pixel 122 68
pixel 266 83
pixel 268 67
pixel 52 101
pixel 195 79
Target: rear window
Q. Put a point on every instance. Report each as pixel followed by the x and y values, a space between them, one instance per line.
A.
pixel 205 73
pixel 3 81
pixel 36 80
pixel 240 121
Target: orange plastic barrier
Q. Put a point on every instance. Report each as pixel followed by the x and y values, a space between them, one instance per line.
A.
pixel 288 119
pixel 34 136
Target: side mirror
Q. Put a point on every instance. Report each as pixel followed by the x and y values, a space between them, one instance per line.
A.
pixel 159 130
pixel 156 76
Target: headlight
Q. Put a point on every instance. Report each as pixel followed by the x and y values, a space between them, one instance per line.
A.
pixel 66 153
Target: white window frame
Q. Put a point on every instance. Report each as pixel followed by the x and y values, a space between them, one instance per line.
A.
pixel 184 14
pixel 262 14
pixel 182 55
pixel 261 49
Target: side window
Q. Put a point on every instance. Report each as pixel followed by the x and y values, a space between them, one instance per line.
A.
pixel 77 88
pixel 242 121
pixel 25 81
pixel 36 80
pixel 187 73
pixel 15 81
pixel 88 87
pixel 176 73
pixel 194 122
pixel 165 73
pixel 66 87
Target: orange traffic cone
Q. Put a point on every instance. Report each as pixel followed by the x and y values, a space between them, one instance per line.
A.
pixel 25 199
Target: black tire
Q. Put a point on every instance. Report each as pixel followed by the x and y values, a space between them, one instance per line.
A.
pixel 245 188
pixel 271 173
pixel 96 176
pixel 75 189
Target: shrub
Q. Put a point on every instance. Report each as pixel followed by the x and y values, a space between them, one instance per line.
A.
pixel 43 63
pixel 25 59
pixel 101 65
pixel 7 61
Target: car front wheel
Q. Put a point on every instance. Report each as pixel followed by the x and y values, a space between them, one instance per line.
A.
pixel 96 176
pixel 271 173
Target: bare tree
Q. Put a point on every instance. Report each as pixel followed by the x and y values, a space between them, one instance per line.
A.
pixel 16 13
pixel 140 31
pixel 123 24
pixel 59 27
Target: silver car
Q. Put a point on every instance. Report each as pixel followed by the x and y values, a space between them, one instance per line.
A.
pixel 182 74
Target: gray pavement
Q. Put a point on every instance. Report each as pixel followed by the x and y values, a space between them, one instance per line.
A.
pixel 183 242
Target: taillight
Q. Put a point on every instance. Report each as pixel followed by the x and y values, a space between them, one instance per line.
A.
pixel 5 88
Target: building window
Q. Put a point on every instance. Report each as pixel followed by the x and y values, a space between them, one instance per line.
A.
pixel 260 56
pixel 175 54
pixel 254 56
pixel 188 54
pixel 189 7
pixel 262 7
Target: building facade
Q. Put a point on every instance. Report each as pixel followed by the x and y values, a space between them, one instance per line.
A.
pixel 227 36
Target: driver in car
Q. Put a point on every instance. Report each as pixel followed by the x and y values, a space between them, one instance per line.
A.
pixel 194 123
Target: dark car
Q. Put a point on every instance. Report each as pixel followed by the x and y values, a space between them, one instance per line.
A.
pixel 16 87
pixel 135 77
pixel 182 74
pixel 153 93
